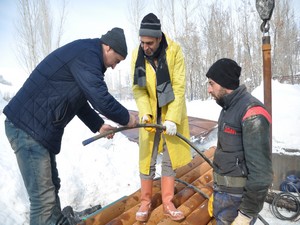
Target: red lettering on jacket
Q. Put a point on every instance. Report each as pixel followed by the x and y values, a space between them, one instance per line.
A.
pixel 229 130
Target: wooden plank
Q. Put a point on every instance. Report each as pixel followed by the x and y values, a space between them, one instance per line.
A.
pixel 198 173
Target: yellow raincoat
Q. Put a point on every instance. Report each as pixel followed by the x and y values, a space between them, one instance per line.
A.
pixel 146 100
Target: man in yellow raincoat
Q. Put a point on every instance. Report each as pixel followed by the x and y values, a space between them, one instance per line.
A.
pixel 158 71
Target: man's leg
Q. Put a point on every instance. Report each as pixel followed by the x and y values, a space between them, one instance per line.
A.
pixel 36 168
pixel 143 213
pixel 225 207
pixel 167 188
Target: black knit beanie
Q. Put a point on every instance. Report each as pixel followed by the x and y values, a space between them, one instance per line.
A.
pixel 115 38
pixel 150 26
pixel 226 73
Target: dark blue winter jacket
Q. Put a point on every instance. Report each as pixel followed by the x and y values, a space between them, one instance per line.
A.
pixel 59 88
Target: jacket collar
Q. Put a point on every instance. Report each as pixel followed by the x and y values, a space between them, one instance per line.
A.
pixel 233 97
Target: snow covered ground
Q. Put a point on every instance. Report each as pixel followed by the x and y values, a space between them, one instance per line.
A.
pixel 106 170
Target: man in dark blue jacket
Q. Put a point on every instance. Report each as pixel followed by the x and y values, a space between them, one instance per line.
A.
pixel 68 82
pixel 243 165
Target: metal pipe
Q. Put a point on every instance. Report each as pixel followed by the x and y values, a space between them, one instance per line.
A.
pixel 267 74
pixel 157 126
pixel 160 127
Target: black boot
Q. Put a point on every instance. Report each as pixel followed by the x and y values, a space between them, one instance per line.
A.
pixel 69 217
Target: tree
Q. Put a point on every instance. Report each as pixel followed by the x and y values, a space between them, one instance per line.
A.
pixel 248 45
pixel 37 35
pixel 135 9
pixel 219 38
pixel 286 40
pixel 209 32
pixel 189 39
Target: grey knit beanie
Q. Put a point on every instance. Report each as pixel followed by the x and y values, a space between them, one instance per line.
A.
pixel 150 26
pixel 115 38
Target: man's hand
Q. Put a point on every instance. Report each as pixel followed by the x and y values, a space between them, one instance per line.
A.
pixel 105 128
pixel 132 120
pixel 242 219
pixel 171 127
pixel 148 119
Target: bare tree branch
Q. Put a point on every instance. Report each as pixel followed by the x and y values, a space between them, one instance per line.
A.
pixel 36 32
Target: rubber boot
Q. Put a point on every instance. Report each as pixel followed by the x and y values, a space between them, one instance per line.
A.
pixel 142 214
pixel 167 192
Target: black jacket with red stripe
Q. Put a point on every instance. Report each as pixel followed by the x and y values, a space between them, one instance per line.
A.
pixel 243 148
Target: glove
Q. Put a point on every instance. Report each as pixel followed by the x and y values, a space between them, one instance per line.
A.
pixel 210 205
pixel 171 128
pixel 147 119
pixel 242 219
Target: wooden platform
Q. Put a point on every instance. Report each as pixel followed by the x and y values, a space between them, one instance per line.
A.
pixel 193 186
pixel 192 200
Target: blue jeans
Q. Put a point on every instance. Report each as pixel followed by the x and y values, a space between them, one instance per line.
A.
pixel 38 168
pixel 225 208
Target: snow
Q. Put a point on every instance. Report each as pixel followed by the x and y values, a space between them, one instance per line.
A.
pixel 106 170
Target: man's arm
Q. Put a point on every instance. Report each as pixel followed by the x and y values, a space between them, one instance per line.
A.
pixel 90 118
pixel 256 142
